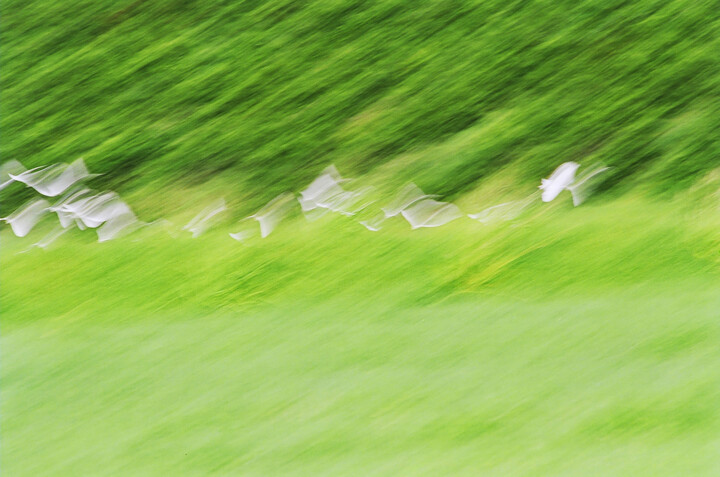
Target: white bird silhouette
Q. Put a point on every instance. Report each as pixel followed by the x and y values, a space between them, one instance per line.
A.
pixel 24 219
pixel 102 209
pixel 558 181
pixel 66 208
pixel 564 178
pixel 206 218
pixel 431 213
pixel 407 196
pixel 10 167
pixel 54 180
pixel 321 190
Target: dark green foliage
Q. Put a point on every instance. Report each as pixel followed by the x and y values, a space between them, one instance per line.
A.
pixel 273 91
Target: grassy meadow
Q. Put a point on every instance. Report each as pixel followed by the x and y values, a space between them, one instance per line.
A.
pixel 567 341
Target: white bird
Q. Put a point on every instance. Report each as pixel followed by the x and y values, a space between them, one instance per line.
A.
pixel 407 196
pixel 66 207
pixel 10 167
pixel 558 181
pixel 431 213
pixel 564 178
pixel 206 218
pixel 24 219
pixel 54 180
pixel 103 208
pixel 322 189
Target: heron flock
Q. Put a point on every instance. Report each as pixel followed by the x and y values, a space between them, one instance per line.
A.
pixel 79 206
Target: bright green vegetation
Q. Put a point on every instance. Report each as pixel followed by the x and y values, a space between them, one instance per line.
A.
pixel 571 341
pixel 271 91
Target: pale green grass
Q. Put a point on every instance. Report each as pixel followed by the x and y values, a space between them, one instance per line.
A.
pixel 619 384
pixel 570 342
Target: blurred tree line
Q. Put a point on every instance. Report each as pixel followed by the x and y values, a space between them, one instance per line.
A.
pixel 272 91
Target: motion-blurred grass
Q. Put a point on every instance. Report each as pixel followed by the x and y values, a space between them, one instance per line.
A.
pixel 570 341
pixel 268 92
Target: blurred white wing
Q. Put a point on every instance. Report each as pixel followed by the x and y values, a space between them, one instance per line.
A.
pixel 51 237
pixel 583 186
pixel 54 180
pixel 407 196
pixel 206 218
pixel 504 211
pixel 24 219
pixel 431 213
pixel 348 202
pixel 9 168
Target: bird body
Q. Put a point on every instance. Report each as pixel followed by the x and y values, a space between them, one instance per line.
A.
pixel 558 181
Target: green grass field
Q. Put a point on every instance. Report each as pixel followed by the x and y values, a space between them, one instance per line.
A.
pixel 569 342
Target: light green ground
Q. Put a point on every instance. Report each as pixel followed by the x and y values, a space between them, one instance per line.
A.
pixel 571 342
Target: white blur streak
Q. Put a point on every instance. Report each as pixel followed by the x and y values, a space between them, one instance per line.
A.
pixel 348 202
pixel 564 178
pixel 431 213
pixel 24 219
pixel 321 190
pixel 273 212
pixel 206 218
pixel 583 186
pixel 54 180
pixel 558 181
pixel 51 237
pixel 504 211
pixel 9 168
pixel 102 209
pixel 242 235
pixel 407 196
pixel 374 224
pixel 116 226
